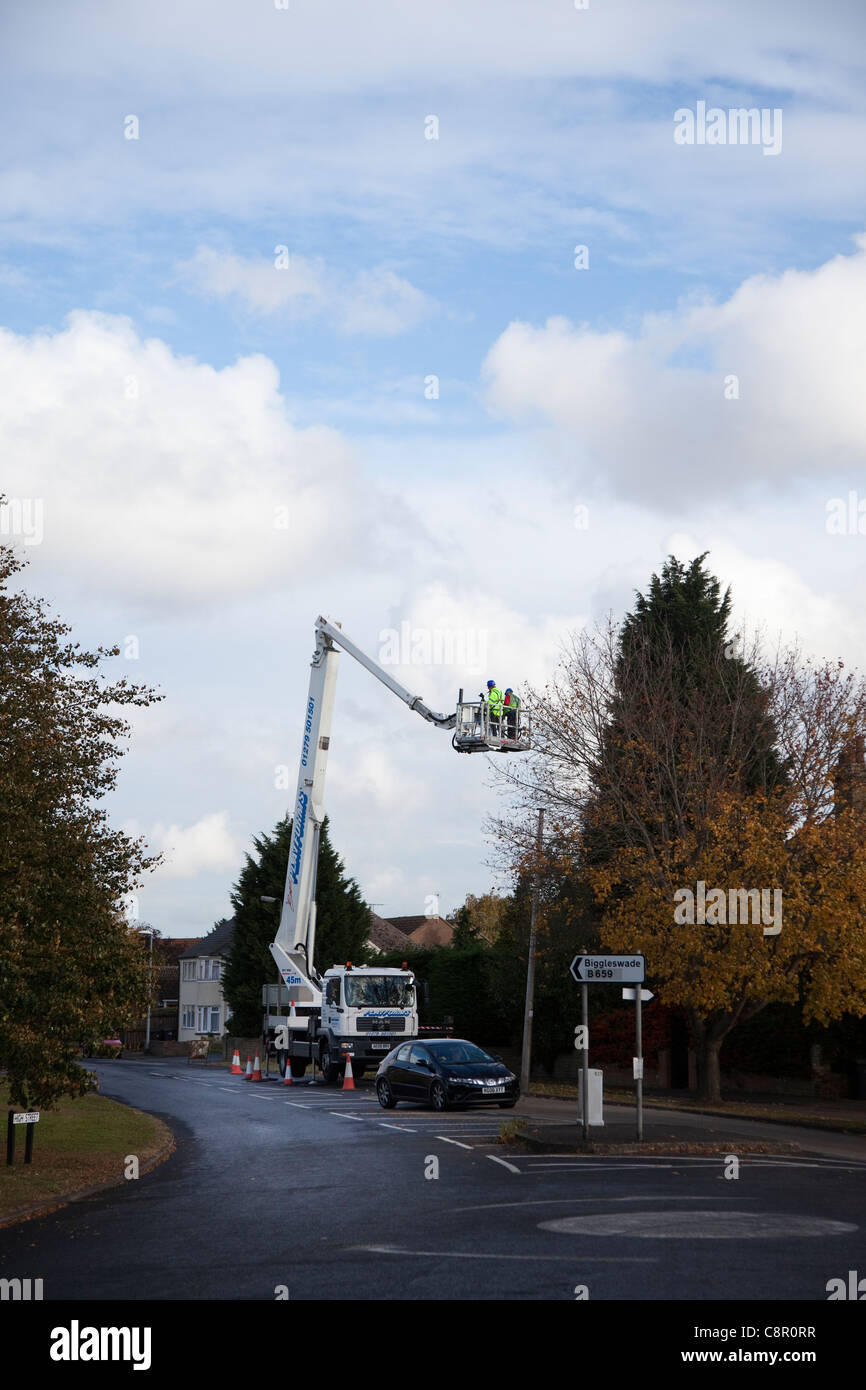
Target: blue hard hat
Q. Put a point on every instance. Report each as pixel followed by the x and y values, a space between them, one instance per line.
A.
pixel 508 690
pixel 491 682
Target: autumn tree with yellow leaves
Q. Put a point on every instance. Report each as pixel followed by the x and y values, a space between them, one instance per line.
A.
pixel 684 772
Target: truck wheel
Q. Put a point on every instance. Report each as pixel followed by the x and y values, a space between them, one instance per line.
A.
pixel 330 1072
pixel 299 1066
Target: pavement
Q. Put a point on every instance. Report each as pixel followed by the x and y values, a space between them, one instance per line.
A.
pixel 321 1193
pixel 553 1122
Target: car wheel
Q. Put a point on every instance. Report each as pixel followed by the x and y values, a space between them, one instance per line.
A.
pixel 385 1094
pixel 330 1072
pixel 438 1098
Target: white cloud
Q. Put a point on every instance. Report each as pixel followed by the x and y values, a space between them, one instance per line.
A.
pixel 165 481
pixel 373 782
pixel 208 846
pixel 374 303
pixel 650 412
pixel 205 46
pixel 258 283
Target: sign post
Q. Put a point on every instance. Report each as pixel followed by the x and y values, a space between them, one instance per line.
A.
pixel 639 1067
pixel 584 1000
pixel 23 1117
pixel 640 996
pixel 608 970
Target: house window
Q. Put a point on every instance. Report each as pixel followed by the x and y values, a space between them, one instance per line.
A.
pixel 188 969
pixel 188 1017
pixel 208 1018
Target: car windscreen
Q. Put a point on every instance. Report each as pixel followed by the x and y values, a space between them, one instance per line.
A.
pixel 379 991
pixel 458 1052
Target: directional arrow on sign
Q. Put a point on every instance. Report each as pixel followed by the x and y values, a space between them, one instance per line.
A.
pixel 645 995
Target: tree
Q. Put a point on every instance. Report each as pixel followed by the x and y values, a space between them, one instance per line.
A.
pixel 342 920
pixel 480 917
pixel 72 970
pixel 668 759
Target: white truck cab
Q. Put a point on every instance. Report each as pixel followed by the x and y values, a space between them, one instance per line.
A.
pixel 366 1010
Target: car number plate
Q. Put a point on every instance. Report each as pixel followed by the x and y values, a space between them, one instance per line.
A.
pixel 381 1047
pixel 493 1090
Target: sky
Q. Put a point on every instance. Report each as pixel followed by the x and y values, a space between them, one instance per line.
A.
pixel 450 320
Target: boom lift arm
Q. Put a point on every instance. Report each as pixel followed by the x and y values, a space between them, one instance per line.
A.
pixel 293 946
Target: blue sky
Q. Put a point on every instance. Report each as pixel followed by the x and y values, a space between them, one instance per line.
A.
pixel 168 387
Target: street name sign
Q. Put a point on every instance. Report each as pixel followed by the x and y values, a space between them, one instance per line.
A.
pixel 645 994
pixel 605 970
pixel 25 1117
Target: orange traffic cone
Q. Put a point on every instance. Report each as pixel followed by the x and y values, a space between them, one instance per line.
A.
pixel 249 1072
pixel 257 1070
pixel 237 1070
pixel 287 1079
pixel 348 1077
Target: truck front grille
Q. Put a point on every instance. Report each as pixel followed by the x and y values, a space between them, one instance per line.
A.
pixel 381 1025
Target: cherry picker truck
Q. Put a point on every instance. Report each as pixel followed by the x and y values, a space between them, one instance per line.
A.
pixel 360 1012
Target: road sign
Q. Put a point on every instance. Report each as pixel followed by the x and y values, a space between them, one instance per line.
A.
pixel 638 1068
pixel 645 994
pixel 606 970
pixel 25 1117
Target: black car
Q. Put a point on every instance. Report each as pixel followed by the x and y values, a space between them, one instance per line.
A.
pixel 443 1072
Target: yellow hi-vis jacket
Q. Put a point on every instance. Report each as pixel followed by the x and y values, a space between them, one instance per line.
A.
pixel 494 700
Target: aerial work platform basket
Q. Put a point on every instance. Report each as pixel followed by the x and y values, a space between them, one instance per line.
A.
pixel 478 729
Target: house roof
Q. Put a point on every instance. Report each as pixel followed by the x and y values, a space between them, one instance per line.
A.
pixel 432 931
pixel 407 924
pixel 216 943
pixel 385 935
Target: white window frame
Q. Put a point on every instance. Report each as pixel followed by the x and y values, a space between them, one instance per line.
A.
pixel 188 1016
pixel 208 1018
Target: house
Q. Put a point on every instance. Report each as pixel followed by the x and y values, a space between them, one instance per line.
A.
pixel 384 936
pixel 424 931
pixel 202 1007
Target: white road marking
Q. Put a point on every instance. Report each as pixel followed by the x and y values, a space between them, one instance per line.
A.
pixel 299 1104
pixel 571 1201
pixel 446 1140
pixel 341 1116
pixel 404 1129
pixel 478 1255
pixel 228 1088
pixel 510 1166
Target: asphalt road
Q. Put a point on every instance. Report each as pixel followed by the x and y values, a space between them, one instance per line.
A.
pixel 322 1192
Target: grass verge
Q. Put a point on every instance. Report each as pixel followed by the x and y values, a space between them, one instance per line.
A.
pixel 80 1145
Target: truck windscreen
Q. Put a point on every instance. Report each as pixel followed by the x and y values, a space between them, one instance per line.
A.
pixel 379 992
